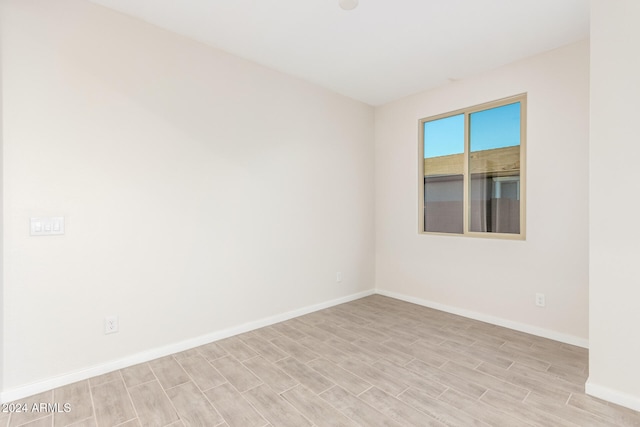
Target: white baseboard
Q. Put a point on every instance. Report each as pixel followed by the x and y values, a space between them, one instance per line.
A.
pixel 613 396
pixel 145 356
pixel 533 330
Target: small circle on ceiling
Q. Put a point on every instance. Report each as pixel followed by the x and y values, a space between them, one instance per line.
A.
pixel 348 4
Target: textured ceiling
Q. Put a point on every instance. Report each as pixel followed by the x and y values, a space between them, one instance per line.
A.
pixel 381 51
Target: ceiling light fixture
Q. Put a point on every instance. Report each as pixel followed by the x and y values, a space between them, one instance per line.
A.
pixel 348 4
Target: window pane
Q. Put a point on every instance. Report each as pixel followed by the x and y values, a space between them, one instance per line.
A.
pixel 443 174
pixel 494 164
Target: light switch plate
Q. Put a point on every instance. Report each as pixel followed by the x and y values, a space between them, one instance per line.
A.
pixel 47 226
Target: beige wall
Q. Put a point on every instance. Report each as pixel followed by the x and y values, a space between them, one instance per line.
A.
pixel 614 303
pixel 200 191
pixel 496 280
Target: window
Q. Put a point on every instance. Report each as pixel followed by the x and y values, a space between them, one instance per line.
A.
pixel 472 171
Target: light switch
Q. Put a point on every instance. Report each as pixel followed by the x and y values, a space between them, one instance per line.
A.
pixel 47 226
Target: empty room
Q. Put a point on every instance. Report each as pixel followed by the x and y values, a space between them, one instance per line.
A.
pixel 319 213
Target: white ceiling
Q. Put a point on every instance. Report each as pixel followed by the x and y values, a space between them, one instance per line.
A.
pixel 381 51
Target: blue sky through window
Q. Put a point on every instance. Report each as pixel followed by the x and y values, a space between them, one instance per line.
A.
pixel 493 128
pixel 443 137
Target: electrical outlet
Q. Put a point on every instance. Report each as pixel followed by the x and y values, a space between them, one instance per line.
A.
pixel 540 300
pixel 110 324
pixel 338 277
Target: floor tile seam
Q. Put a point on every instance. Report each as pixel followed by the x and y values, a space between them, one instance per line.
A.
pixel 569 368
pixel 553 415
pixel 579 383
pixel 364 379
pixel 326 389
pixel 249 389
pixel 124 422
pixel 472 355
pixel 247 368
pixel 183 358
pixel 397 396
pixel 527 388
pixel 244 360
pixel 174 406
pixel 321 355
pixel 144 382
pixel 267 384
pixel 385 357
pixel 178 385
pixel 212 387
pixel 446 388
pixel 262 353
pixel 498 379
pixel 514 352
pixel 452 339
pixel 242 396
pixel 93 403
pixel 350 353
pixel 285 401
pixel 350 313
pixel 562 384
pixel 338 410
pixel 165 394
pixel 513 415
pixel 192 380
pixel 463 379
pixel 36 419
pixel 179 365
pixel 597 416
pixel 274 338
pixel 294 407
pixel 532 407
pixel 501 379
pixel 422 410
pixel 558 358
pixel 611 406
pixel 413 358
pixel 290 388
pixel 93 411
pixel 516 416
pixel 201 353
pixel 120 377
pixel 362 392
pixel 317 373
pixel 486 342
pixel 53 400
pixel 482 395
pixel 135 411
pixel 81 421
pixel 282 358
pixel 569 371
pixel 346 370
pixel 108 382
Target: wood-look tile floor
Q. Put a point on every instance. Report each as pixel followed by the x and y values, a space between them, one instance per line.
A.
pixel 372 362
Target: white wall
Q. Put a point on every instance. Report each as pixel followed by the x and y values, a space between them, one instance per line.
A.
pixel 614 307
pixel 496 280
pixel 200 191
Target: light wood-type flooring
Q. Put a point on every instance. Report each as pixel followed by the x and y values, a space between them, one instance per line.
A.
pixel 371 362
